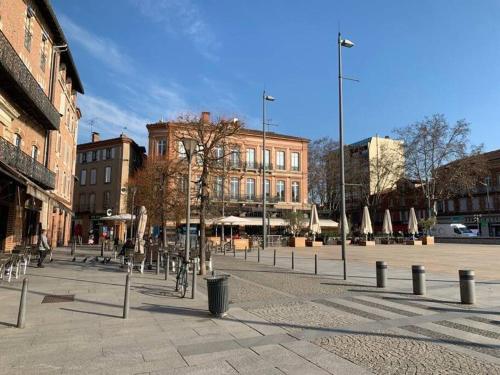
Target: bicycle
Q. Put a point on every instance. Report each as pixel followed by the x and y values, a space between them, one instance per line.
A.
pixel 181 284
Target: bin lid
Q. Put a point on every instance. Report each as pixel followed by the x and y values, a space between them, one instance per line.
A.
pixel 217 277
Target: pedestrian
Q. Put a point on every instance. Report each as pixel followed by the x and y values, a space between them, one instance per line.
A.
pixel 43 247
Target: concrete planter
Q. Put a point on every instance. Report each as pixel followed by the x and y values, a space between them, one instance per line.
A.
pixel 428 240
pixel 366 243
pixel 310 243
pixel 297 242
pixel 414 242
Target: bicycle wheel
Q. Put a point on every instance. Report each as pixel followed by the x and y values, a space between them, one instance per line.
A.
pixel 183 283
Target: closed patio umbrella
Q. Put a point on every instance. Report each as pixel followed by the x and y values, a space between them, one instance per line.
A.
pixel 412 223
pixel 346 225
pixel 387 226
pixel 314 225
pixel 366 223
pixel 141 227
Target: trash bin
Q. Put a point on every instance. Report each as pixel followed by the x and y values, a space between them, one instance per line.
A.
pixel 218 294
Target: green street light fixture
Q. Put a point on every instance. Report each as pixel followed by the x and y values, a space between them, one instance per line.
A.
pixel 265 98
pixel 347 44
pixel 189 149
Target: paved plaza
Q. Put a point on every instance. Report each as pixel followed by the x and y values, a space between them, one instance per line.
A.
pixel 280 321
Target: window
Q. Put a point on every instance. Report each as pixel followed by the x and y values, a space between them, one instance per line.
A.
pixel 17 140
pixel 92 202
pixel 89 156
pixel 82 202
pixel 162 147
pixel 107 175
pixel 43 51
pixel 235 188
pixel 235 158
pixel 280 160
pixel 64 184
pixel 451 205
pixel 295 161
pixel 94 155
pixel 93 176
pixel 219 155
pixel 267 158
pixel 487 180
pixel 34 152
pixel 250 188
pixel 267 187
pixel 83 177
pixel 250 158
pixel 28 28
pixel 463 204
pixel 498 179
pixel 218 187
pixel 295 192
pixel 280 190
pixel 475 203
pixel 106 200
pixel 83 157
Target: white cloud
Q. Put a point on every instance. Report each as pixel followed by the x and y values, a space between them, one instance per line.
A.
pixel 100 48
pixel 184 17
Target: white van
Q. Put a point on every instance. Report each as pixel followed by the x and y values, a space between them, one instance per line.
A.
pixel 451 230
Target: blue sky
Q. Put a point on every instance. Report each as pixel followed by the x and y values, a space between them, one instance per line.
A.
pixel 142 60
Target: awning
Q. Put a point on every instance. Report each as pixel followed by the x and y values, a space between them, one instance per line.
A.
pixel 120 217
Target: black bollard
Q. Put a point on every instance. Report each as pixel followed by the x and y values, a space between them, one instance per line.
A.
pixel 234 251
pixel 166 265
pixel 73 247
pixel 467 287
pixel 102 248
pixel 274 257
pixel 418 275
pixel 293 260
pixel 126 301
pixel 21 317
pixel 381 267
pixel 158 262
pixel 193 289
pixel 245 253
pixel 315 264
pixel 258 255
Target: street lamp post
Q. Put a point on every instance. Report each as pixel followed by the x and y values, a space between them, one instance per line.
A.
pixel 348 44
pixel 265 98
pixel 189 148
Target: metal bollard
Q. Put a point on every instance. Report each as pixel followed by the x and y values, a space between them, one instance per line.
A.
pixel 126 302
pixel 381 267
pixel 73 247
pixel 467 286
pixel 166 266
pixel 157 262
pixel 258 255
pixel 293 260
pixel 418 275
pixel 102 249
pixel 234 251
pixel 315 264
pixel 274 257
pixel 245 253
pixel 21 317
pixel 193 288
pixel 224 249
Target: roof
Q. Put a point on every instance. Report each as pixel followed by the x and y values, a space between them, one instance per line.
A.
pixel 161 124
pixel 365 141
pixel 110 142
pixel 50 17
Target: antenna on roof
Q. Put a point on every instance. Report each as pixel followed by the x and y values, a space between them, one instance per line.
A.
pixel 123 130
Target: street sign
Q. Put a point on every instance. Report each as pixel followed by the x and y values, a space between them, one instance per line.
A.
pixel 109 212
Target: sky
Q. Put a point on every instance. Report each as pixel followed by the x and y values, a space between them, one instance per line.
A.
pixel 145 60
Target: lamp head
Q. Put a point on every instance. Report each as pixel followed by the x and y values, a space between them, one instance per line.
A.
pixel 346 43
pixel 189 146
pixel 269 98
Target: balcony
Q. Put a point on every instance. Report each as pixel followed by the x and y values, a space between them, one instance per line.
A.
pixel 251 165
pixel 20 85
pixel 25 164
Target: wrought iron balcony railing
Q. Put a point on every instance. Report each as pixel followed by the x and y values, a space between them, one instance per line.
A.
pixel 25 164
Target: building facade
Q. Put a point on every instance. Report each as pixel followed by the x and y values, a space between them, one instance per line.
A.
pixel 480 209
pixel 39 117
pixel 103 170
pixel 240 188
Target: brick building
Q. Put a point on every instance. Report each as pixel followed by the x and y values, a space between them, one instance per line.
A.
pixel 240 190
pixel 103 169
pixel 39 117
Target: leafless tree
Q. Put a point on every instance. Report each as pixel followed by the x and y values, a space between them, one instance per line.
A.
pixel 322 164
pixel 431 145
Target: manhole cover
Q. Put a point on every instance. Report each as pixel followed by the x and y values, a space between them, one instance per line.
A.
pixel 58 298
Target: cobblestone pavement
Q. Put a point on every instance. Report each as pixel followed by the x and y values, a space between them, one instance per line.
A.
pixel 383 354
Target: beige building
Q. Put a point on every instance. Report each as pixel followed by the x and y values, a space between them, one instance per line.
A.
pixel 241 188
pixel 39 117
pixel 103 170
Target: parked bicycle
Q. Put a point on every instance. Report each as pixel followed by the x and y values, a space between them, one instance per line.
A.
pixel 182 277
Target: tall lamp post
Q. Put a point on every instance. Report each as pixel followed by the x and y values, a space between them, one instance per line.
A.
pixel 265 98
pixel 348 44
pixel 189 148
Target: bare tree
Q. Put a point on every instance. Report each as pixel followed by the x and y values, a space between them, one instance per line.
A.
pixel 322 164
pixel 214 141
pixel 432 144
pixel 158 191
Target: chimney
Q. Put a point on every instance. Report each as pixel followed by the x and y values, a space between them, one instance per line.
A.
pixel 205 117
pixel 95 137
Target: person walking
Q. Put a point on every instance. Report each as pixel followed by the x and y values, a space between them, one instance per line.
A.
pixel 43 247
